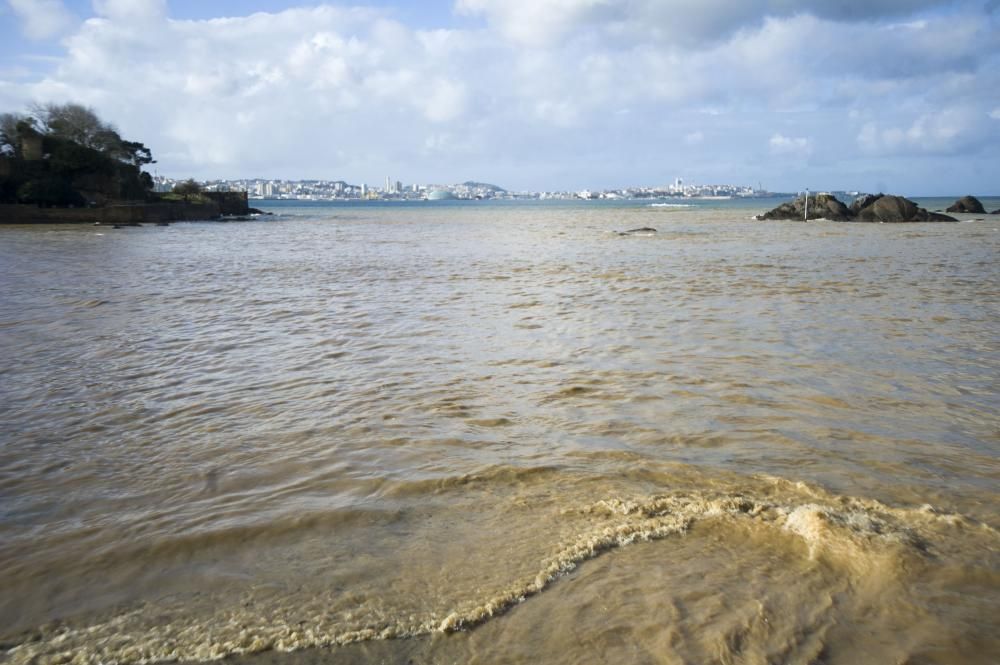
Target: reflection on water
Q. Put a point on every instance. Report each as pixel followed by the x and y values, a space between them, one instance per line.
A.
pixel 501 425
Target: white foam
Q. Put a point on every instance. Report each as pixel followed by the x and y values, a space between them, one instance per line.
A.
pixel 860 534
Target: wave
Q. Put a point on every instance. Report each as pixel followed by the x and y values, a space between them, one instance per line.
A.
pixel 859 539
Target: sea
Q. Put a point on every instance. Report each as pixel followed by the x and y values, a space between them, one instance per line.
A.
pixel 501 432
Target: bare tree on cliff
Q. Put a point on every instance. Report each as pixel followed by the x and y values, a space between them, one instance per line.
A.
pixel 80 124
pixel 73 154
pixel 75 123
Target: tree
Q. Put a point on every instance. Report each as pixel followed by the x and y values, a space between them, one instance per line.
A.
pixel 11 125
pixel 75 123
pixel 78 147
pixel 8 133
pixel 135 153
pixel 187 188
pixel 136 184
pixel 50 191
pixel 81 125
pixel 69 158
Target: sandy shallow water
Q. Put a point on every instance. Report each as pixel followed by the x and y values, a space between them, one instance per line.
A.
pixel 501 433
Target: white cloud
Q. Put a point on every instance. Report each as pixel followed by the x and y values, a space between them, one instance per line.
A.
pixel 558 113
pixel 680 22
pixel 131 10
pixel 267 91
pixel 694 138
pixel 536 22
pixel 42 19
pixel 539 89
pixel 444 100
pixel 948 131
pixel 784 145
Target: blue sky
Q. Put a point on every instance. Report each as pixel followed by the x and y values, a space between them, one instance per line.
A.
pixel 896 95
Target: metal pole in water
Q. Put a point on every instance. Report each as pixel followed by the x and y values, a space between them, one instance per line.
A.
pixel 806 219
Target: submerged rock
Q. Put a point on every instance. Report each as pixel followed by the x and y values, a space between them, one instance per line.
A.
pixel 968 204
pixel 821 206
pixel 895 209
pixel 641 230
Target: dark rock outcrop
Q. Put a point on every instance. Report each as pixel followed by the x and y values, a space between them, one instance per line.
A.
pixel 896 209
pixel 821 206
pixel 863 202
pixel 995 212
pixel 867 208
pixel 968 204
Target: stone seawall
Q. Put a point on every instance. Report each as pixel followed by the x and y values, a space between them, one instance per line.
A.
pixel 230 203
pixel 117 214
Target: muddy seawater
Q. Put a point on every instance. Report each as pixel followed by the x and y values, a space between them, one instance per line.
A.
pixel 501 433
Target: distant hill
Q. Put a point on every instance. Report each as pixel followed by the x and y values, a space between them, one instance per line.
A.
pixel 482 185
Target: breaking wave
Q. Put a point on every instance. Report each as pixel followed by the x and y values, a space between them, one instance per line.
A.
pixel 855 537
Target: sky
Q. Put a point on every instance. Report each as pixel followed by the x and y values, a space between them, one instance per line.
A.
pixel 901 96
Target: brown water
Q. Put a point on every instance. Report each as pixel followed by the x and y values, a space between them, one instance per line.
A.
pixel 501 434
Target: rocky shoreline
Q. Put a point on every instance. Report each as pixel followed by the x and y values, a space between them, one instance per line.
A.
pixel 871 208
pixel 222 207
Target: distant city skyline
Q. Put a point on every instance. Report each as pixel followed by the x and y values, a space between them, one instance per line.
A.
pixel 325 189
pixel 560 95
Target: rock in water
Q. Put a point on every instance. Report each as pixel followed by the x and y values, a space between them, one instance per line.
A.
pixel 641 230
pixel 863 202
pixel 867 208
pixel 893 209
pixel 969 204
pixel 821 206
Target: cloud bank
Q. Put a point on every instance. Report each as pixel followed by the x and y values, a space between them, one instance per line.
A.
pixel 546 93
pixel 42 19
